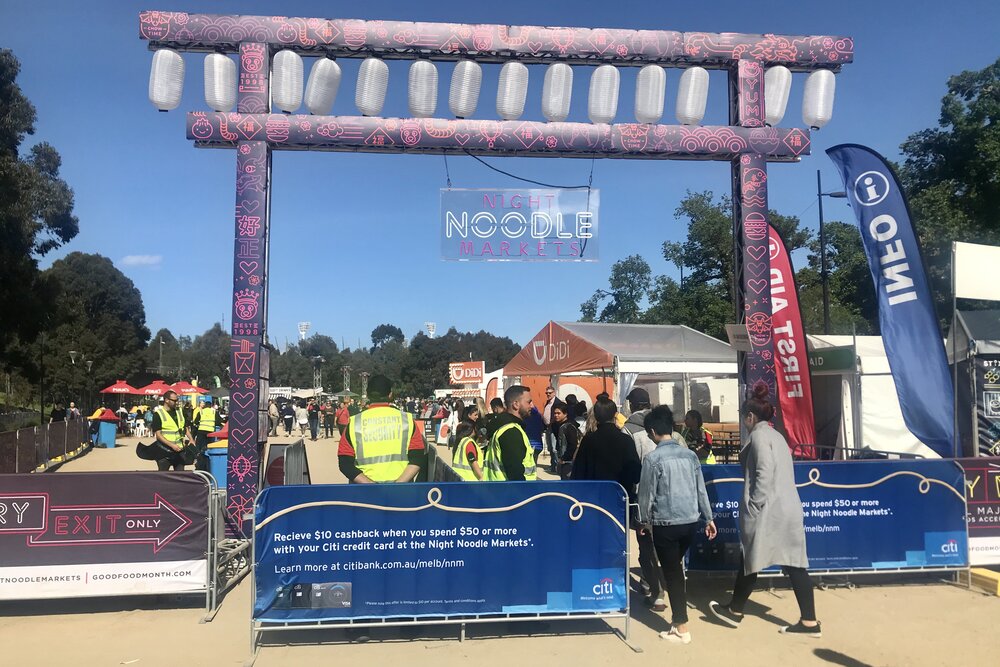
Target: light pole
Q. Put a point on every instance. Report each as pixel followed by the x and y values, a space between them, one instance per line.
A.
pixel 73 354
pixel 90 386
pixel 364 385
pixel 161 357
pixel 317 374
pixel 824 277
pixel 347 378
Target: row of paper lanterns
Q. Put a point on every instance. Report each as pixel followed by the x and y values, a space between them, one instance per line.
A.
pixel 167 79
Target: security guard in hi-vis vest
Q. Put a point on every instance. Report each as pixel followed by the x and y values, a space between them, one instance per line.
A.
pixel 509 456
pixel 381 444
pixel 170 430
pixel 204 423
pixel 468 457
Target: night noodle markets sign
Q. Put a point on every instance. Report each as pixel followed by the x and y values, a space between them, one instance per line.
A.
pixel 519 225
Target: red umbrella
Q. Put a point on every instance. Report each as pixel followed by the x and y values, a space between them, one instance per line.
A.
pixel 120 387
pixel 155 388
pixel 186 388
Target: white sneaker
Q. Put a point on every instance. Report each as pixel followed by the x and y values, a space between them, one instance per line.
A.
pixel 672 635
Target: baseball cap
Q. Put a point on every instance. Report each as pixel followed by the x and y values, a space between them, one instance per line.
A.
pixel 638 395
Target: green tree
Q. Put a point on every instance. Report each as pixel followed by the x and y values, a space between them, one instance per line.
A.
pixel 628 284
pixel 950 174
pixel 208 357
pixel 853 304
pixel 384 333
pixel 101 316
pixel 36 217
pixel 172 355
pixel 703 297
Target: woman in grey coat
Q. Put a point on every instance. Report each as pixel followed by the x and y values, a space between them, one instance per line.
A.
pixel 771 521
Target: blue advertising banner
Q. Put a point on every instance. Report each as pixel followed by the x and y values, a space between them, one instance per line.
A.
pixel 413 550
pixel 520 225
pixel 859 515
pixel 909 326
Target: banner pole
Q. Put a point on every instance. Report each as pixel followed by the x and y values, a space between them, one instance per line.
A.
pixel 954 354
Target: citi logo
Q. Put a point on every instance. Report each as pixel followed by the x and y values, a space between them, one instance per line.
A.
pixel 604 587
pixel 949 547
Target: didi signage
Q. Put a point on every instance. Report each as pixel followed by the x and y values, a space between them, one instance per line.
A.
pixel 519 225
pixel 466 372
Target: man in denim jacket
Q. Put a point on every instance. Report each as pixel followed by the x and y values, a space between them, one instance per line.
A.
pixel 672 502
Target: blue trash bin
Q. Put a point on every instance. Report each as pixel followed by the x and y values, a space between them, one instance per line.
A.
pixel 218 457
pixel 106 434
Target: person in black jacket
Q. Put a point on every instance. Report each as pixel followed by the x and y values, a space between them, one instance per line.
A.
pixel 608 453
pixel 568 438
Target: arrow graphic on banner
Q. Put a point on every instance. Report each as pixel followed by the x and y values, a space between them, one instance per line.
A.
pixel 156 524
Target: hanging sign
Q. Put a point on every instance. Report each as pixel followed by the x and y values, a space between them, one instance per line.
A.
pixel 466 372
pixel 519 225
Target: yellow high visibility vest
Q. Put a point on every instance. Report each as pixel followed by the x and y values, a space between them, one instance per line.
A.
pixel 172 430
pixel 710 459
pixel 492 465
pixel 461 465
pixel 207 421
pixel 381 439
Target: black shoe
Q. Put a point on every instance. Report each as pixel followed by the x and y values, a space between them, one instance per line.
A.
pixel 724 614
pixel 804 630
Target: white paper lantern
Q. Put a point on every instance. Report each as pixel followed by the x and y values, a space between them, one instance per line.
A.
pixel 166 79
pixel 373 79
pixel 321 90
pixel 817 99
pixel 464 93
pixel 777 85
pixel 220 82
pixel 650 89
pixel 512 90
pixel 692 96
pixel 557 90
pixel 423 88
pixel 286 80
pixel 602 103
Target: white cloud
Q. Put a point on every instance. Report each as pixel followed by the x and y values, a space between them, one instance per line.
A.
pixel 151 261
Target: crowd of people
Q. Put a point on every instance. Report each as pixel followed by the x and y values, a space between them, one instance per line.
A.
pixel 659 466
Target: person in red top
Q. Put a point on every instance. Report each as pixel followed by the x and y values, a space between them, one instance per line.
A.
pixel 343 416
pixel 380 393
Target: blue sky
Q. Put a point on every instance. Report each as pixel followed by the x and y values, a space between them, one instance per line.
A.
pixel 355 237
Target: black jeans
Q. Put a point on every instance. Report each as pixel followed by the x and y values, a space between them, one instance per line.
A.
pixel 648 563
pixel 671 543
pixel 328 428
pixel 802 586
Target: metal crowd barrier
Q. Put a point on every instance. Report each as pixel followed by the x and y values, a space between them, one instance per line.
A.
pixel 228 559
pixel 38 448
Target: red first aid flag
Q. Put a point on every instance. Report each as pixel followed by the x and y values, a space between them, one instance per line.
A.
pixel 791 357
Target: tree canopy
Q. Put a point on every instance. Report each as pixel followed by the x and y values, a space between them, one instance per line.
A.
pixel 703 296
pixel 950 174
pixel 36 216
pixel 98 313
pixel 384 333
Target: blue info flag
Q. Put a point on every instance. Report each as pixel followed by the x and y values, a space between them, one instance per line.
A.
pixel 520 225
pixel 913 342
pixel 415 550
